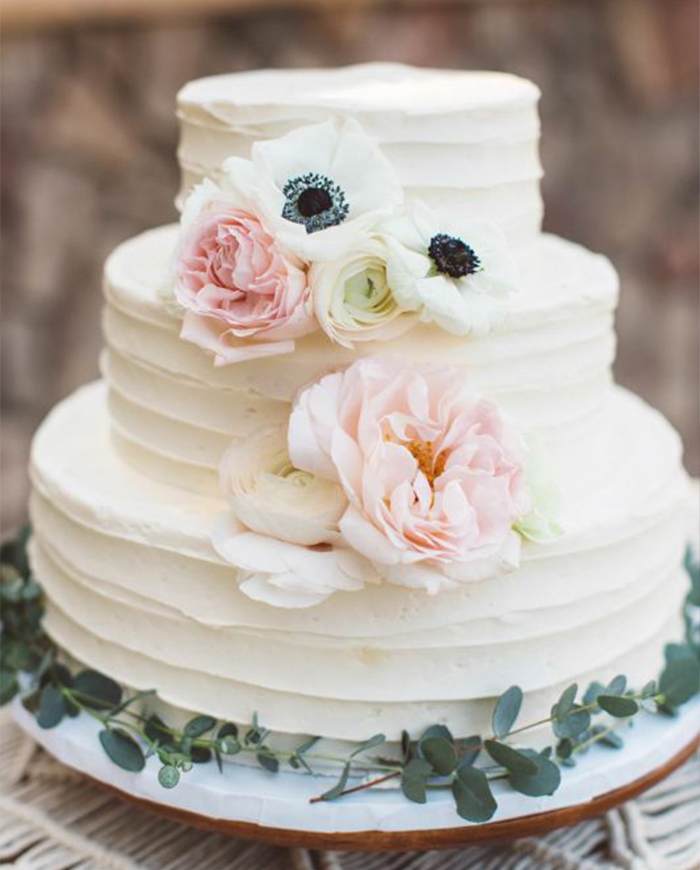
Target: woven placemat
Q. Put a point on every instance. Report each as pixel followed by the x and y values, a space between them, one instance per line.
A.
pixel 53 819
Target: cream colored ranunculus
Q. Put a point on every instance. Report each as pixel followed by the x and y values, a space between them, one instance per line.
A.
pixel 353 297
pixel 270 496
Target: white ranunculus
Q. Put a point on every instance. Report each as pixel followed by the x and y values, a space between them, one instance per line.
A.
pixel 288 575
pixel 270 496
pixel 353 297
pixel 457 274
pixel 319 185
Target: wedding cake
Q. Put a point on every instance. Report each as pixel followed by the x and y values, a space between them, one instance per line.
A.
pixel 357 462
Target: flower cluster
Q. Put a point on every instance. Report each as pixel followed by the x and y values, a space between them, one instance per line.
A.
pixel 384 471
pixel 312 232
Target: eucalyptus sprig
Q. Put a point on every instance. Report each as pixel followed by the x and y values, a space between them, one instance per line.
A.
pixel 30 666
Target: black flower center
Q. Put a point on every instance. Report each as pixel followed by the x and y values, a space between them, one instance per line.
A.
pixel 452 256
pixel 315 201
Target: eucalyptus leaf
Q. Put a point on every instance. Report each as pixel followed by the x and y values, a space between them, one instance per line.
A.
pixel 269 762
pixel 506 711
pixel 680 680
pixel 469 748
pixel 168 776
pixel 199 725
pixel 472 793
pixel 440 753
pixel 200 754
pixel 592 692
pixel 123 750
pixel 574 723
pixel 228 729
pixel 376 740
pixel 306 745
pixel 618 705
pixel 97 691
pixel 52 707
pixel 156 729
pixel 414 778
pixel 511 759
pixel 229 746
pixel 339 787
pixel 545 782
pixel 616 686
pixel 606 737
pixel 566 701
pixel 437 731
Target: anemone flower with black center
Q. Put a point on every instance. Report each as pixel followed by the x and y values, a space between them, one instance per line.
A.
pixel 456 273
pixel 314 201
pixel 320 185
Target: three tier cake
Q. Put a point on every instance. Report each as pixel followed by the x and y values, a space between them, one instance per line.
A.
pixel 357 462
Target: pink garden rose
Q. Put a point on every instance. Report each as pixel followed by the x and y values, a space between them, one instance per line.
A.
pixel 245 297
pixel 433 476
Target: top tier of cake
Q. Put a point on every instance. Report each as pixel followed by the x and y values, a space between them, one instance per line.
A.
pixel 464 142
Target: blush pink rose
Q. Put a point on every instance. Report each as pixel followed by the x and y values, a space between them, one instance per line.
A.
pixel 431 472
pixel 244 296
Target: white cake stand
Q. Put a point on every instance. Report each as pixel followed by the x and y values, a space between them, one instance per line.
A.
pixel 254 804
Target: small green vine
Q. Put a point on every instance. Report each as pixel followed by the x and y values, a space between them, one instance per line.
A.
pixel 30 667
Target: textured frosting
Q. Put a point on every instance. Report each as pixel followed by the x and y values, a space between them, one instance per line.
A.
pixel 135 587
pixel 466 142
pixel 125 471
pixel 175 413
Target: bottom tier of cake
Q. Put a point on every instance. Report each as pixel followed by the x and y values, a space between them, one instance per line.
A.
pixel 135 589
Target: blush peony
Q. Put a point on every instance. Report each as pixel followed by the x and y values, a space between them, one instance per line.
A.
pixel 433 476
pixel 244 295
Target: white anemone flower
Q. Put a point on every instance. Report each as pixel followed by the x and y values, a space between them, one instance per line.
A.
pixel 288 575
pixel 319 184
pixel 272 497
pixel 353 297
pixel 456 273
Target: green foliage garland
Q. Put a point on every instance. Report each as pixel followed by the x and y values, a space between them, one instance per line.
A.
pixel 30 667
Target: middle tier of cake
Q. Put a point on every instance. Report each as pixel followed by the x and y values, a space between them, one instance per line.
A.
pixel 175 413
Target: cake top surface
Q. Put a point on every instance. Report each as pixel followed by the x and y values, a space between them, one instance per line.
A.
pixel 371 87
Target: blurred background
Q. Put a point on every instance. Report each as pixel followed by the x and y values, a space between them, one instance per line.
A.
pixel 89 137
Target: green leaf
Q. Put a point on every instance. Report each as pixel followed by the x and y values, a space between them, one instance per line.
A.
pixel 168 776
pixel 618 706
pixel 376 740
pixel 593 691
pixel 122 749
pixel 564 749
pixel 605 737
pixel 155 730
pixel 468 749
pixel 545 782
pixel 680 680
pixel 440 753
pixel 692 566
pixel 506 711
pixel 229 746
pixel 306 745
pixel 339 787
pixel 472 793
pixel 511 759
pixel 414 778
pixel 566 701
pixel 437 731
pixel 8 686
pixel 228 729
pixel 269 762
pixel 575 722
pixel 200 754
pixel 96 690
pixel 199 725
pixel 649 690
pixel 52 707
pixel 616 686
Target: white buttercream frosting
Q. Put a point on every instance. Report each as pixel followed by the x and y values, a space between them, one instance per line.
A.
pixel 135 587
pixel 125 472
pixel 548 367
pixel 466 142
